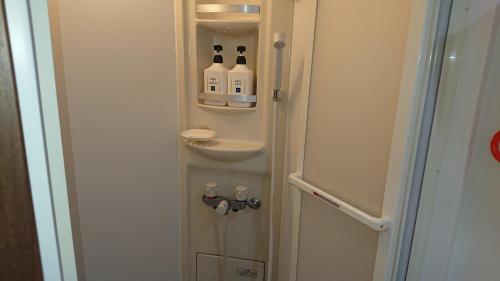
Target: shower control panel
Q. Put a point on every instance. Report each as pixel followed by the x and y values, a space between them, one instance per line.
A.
pixel 223 204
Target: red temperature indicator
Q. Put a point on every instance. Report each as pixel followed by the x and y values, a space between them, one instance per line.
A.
pixel 495 146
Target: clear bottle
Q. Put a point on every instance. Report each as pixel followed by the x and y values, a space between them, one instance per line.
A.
pixel 215 79
pixel 240 79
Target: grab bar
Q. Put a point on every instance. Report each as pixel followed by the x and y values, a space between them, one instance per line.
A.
pixel 378 224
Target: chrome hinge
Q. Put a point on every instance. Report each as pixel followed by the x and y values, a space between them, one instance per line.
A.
pixel 277 94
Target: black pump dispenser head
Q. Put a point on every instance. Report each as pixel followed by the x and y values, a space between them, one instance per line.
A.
pixel 217 56
pixel 241 56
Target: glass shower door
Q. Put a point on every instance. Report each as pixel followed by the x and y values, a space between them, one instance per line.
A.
pixel 457 234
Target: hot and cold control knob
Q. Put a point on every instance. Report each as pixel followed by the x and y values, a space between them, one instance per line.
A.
pixel 241 193
pixel 211 189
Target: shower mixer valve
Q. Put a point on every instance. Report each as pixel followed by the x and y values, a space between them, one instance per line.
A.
pixel 223 204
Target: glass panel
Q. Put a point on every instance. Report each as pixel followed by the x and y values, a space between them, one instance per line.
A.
pixel 457 237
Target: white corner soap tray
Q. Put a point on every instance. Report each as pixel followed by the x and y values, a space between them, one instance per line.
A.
pixel 198 135
pixel 226 150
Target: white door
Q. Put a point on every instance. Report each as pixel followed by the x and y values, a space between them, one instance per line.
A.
pixel 348 62
pixel 457 234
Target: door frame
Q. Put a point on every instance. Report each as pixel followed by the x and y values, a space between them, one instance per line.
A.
pixel 30 42
pixel 420 39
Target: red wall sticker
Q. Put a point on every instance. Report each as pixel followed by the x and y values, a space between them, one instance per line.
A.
pixel 495 146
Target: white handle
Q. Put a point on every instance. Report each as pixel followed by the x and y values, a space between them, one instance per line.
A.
pixel 222 208
pixel 377 224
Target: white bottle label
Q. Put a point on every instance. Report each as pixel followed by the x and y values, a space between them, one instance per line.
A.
pixel 213 85
pixel 238 87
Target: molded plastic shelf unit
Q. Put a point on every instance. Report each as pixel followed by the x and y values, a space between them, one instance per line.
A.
pixel 226 109
pixel 226 150
pixel 231 26
pixel 233 98
pixel 228 18
pixel 228 8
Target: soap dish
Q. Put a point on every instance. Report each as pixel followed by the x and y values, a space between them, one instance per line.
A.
pixel 198 135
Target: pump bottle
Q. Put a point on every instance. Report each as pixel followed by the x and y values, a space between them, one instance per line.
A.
pixel 240 80
pixel 215 80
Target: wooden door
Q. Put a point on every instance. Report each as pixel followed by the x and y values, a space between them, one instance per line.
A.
pixel 19 253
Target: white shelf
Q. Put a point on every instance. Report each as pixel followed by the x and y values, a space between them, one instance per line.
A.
pixel 235 98
pixel 231 26
pixel 226 150
pixel 226 108
pixel 228 8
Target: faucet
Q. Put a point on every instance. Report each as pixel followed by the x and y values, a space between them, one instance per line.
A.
pixel 223 204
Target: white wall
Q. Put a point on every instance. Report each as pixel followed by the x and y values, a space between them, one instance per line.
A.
pixel 116 79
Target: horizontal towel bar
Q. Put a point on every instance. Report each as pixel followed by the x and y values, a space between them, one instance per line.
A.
pixel 378 224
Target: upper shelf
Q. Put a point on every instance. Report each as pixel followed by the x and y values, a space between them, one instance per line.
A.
pixel 232 26
pixel 228 8
pixel 231 18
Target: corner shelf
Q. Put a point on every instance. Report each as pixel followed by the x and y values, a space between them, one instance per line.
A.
pixel 236 98
pixel 228 18
pixel 226 108
pixel 228 8
pixel 227 150
pixel 230 26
